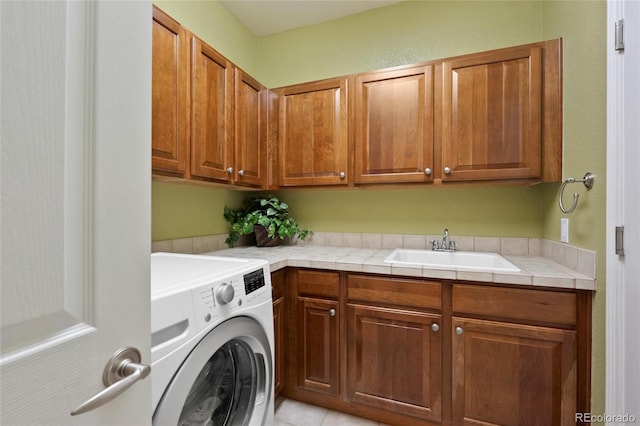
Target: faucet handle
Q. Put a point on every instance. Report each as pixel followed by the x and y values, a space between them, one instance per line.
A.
pixel 452 245
pixel 434 245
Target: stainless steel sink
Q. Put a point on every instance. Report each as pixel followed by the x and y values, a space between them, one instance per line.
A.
pixel 459 260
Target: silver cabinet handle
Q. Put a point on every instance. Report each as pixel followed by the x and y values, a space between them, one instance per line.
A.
pixel 332 312
pixel 121 372
pixel 459 331
pixel 342 175
pixel 427 171
pixel 435 327
pixel 230 170
pixel 447 170
pixel 241 172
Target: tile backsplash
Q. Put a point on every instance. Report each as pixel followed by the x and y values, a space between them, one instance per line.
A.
pixel 575 258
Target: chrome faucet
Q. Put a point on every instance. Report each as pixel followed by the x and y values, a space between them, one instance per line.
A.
pixel 446 245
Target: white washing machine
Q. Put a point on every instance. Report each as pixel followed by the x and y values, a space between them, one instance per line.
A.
pixel 212 355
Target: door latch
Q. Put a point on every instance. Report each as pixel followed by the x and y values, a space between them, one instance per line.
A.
pixel 619 35
pixel 620 240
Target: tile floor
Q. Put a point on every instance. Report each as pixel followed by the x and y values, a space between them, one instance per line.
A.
pixel 295 413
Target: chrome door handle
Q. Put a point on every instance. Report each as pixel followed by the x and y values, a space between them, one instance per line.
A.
pixel 120 373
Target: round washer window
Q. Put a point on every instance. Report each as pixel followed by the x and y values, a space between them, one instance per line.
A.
pixel 227 379
pixel 224 390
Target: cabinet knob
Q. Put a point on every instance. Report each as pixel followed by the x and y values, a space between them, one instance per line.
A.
pixel 427 171
pixel 342 175
pixel 332 312
pixel 435 327
pixel 459 331
pixel 230 170
pixel 447 170
pixel 241 172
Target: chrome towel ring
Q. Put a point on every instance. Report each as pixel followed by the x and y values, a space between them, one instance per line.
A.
pixel 587 180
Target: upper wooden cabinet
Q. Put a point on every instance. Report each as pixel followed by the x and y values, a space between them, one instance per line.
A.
pixel 212 113
pixel 209 116
pixel 312 134
pixel 250 151
pixel 170 95
pixel 393 125
pixel 492 115
pixel 489 116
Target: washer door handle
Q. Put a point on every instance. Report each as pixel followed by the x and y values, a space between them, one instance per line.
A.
pixel 120 373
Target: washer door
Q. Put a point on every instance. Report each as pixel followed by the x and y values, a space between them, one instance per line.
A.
pixel 226 379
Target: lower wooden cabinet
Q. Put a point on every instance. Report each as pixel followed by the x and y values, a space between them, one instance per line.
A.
pixel 315 335
pixel 394 360
pixel 317 340
pixel 512 374
pixel 412 351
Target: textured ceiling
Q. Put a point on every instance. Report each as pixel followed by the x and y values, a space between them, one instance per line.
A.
pixel 264 17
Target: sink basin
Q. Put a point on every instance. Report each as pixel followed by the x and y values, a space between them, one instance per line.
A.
pixel 459 260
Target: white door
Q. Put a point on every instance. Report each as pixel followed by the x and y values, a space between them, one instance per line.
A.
pixel 623 205
pixel 75 223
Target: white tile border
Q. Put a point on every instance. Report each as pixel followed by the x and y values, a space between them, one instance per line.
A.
pixel 580 260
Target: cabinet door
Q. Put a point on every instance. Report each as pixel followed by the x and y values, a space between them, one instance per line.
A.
pixel 250 130
pixel 212 114
pixel 394 360
pixel 491 115
pixel 394 126
pixel 312 134
pixel 170 95
pixel 509 374
pixel 318 345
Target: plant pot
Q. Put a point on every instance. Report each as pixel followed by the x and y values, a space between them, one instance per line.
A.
pixel 263 239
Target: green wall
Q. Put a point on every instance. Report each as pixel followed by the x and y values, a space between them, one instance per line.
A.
pixel 582 24
pixel 189 211
pixel 214 24
pixel 464 210
pixel 403 33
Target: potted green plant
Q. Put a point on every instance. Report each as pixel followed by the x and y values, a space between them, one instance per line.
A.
pixel 267 217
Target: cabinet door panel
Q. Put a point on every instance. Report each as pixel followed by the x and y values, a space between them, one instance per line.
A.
pixel 170 95
pixel 394 125
pixel 250 131
pixel 394 360
pixel 491 111
pixel 313 134
pixel 212 108
pixel 508 374
pixel 318 345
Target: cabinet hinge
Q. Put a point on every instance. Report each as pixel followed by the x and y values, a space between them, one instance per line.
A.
pixel 620 240
pixel 620 35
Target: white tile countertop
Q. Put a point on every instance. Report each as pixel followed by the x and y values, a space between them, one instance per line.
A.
pixel 535 270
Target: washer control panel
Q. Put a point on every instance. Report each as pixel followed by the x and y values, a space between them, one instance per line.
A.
pixel 217 300
pixel 254 281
